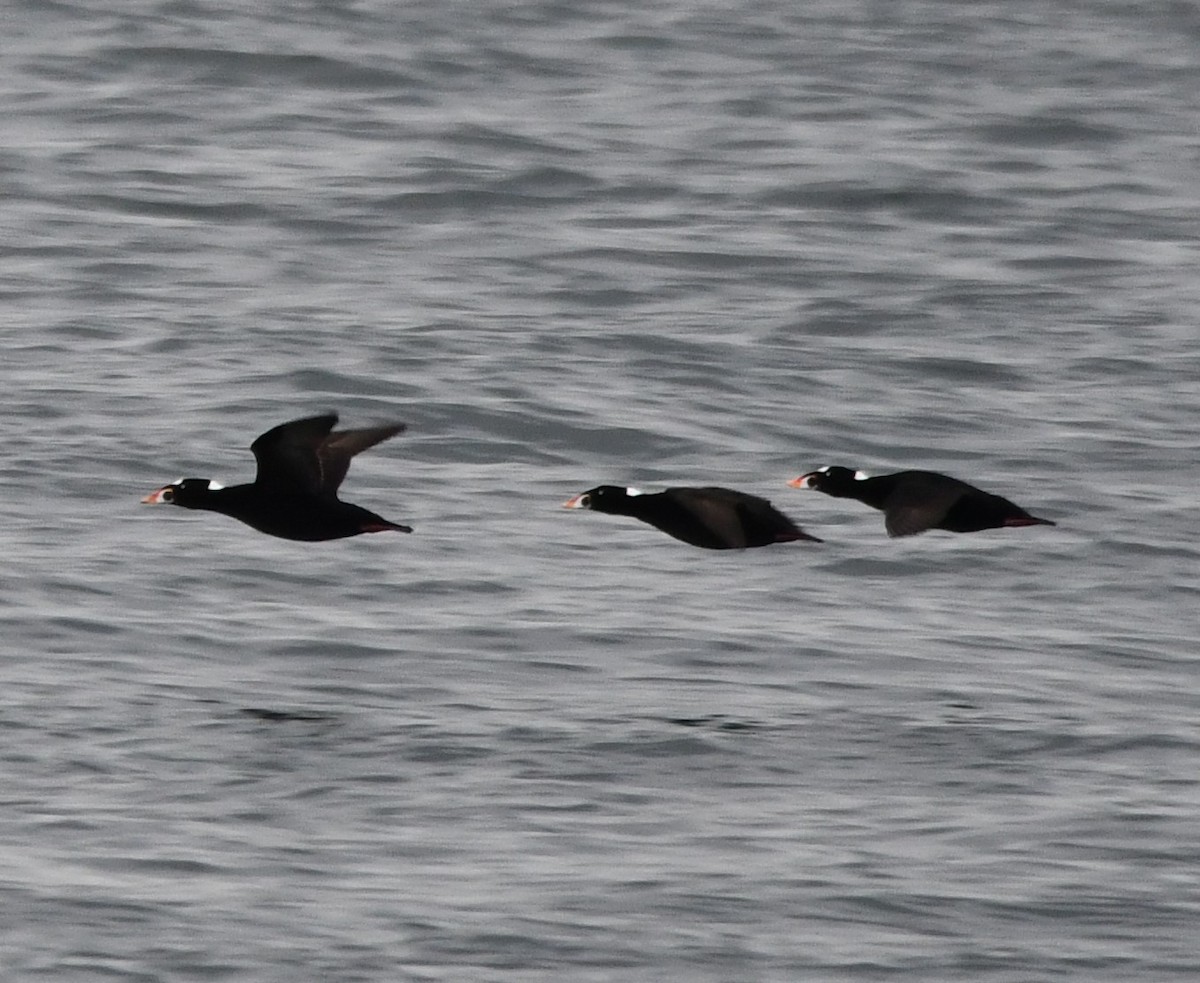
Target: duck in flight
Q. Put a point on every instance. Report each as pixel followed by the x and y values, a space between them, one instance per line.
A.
pixel 914 501
pixel 294 494
pixel 712 518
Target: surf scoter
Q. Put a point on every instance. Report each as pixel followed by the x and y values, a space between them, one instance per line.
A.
pixel 294 494
pixel 712 518
pixel 914 501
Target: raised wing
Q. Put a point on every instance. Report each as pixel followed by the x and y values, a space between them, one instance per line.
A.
pixel 336 450
pixel 287 455
pixel 307 457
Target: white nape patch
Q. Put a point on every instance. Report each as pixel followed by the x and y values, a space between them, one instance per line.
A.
pixel 214 485
pixel 861 476
pixel 631 492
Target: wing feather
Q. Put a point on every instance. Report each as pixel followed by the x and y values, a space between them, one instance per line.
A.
pixel 307 457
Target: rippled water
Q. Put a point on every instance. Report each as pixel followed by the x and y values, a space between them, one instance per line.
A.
pixel 572 244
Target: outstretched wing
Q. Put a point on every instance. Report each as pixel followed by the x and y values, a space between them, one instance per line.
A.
pixel 287 455
pixel 336 450
pixel 307 457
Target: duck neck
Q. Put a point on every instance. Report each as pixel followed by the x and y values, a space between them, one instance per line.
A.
pixel 872 491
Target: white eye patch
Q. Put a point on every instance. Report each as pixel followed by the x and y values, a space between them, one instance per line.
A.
pixel 214 485
pixel 634 491
pixel 861 476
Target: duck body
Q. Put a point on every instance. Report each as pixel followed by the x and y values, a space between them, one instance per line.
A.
pixel 710 517
pixel 294 495
pixel 915 501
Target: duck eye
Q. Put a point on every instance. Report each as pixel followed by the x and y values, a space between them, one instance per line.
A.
pixel 586 501
pixel 168 494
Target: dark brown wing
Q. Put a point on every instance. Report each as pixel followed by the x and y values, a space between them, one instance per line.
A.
pixel 287 455
pixel 303 457
pixel 722 518
pixel 336 450
pixel 707 517
pixel 921 500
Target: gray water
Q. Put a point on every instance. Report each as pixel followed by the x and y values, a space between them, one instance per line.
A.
pixel 580 243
